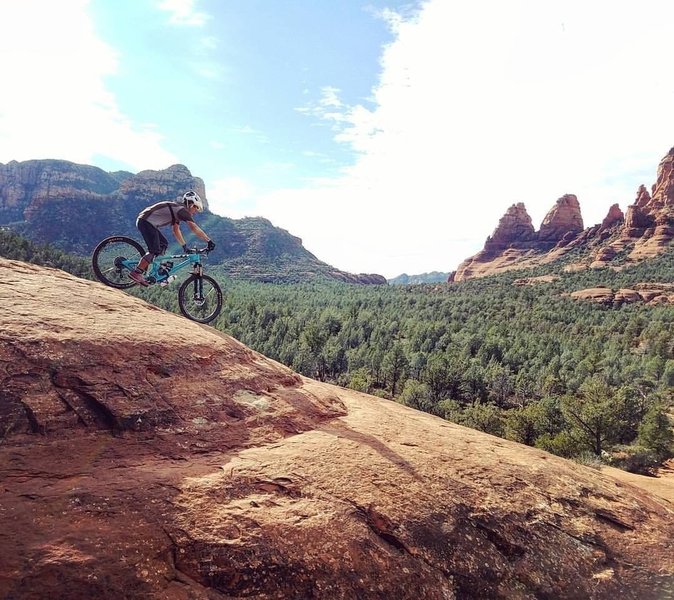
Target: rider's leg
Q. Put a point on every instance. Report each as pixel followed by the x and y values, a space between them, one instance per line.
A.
pixel 155 242
pixel 153 238
pixel 145 262
pixel 163 243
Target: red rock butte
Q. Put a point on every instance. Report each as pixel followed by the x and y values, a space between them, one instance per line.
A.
pixel 644 231
pixel 145 456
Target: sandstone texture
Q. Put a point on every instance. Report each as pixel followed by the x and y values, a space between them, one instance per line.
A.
pixel 514 226
pixel 170 183
pixel 25 187
pixel 145 456
pixel 535 280
pixel 601 295
pixel 563 219
pixel 515 244
pixel 648 293
pixel 614 217
pixel 645 230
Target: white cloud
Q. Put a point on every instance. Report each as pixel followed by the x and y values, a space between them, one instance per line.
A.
pixel 229 197
pixel 55 103
pixel 183 12
pixel 328 108
pixel 259 136
pixel 480 105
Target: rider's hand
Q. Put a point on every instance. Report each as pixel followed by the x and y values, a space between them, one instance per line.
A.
pixel 210 246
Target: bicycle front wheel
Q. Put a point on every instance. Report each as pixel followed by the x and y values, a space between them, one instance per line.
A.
pixel 113 258
pixel 200 298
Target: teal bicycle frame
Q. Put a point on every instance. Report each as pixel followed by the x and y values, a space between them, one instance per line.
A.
pixel 163 267
pixel 199 296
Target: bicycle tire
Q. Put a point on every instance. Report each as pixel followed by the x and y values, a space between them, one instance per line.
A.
pixel 106 256
pixel 201 311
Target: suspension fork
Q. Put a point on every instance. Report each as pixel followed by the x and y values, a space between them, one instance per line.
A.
pixel 198 281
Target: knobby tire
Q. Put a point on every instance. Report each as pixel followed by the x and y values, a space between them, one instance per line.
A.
pixel 213 299
pixel 102 260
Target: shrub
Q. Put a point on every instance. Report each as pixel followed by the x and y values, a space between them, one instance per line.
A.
pixel 635 459
pixel 483 417
pixel 449 409
pixel 415 395
pixel 360 380
pixel 655 433
pixel 562 444
pixel 588 459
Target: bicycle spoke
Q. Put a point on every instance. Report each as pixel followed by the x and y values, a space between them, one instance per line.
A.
pixel 110 260
pixel 200 299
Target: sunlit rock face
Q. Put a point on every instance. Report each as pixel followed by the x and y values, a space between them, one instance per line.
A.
pixel 515 238
pixel 564 218
pixel 146 456
pixel 614 217
pixel 645 230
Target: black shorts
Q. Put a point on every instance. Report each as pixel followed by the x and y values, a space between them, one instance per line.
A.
pixel 155 240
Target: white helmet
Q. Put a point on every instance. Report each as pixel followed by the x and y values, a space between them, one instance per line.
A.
pixel 192 199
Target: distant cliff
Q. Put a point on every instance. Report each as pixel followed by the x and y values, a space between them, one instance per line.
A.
pixel 74 206
pixel 421 278
pixel 645 230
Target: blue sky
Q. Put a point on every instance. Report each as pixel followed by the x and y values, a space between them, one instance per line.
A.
pixel 389 135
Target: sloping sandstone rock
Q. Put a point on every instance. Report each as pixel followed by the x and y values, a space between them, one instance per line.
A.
pixel 507 244
pixel 535 280
pixel 626 296
pixel 648 293
pixel 662 292
pixel 663 190
pixel 145 456
pixel 601 295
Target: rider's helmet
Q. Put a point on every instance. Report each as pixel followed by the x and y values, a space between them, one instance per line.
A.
pixel 192 199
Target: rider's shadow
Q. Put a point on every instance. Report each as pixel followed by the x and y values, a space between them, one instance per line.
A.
pixel 339 429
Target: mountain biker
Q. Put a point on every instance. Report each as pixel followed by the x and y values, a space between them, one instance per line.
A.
pixel 159 215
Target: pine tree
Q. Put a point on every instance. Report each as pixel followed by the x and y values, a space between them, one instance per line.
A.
pixel 656 433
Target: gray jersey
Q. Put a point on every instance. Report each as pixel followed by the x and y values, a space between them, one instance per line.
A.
pixel 165 213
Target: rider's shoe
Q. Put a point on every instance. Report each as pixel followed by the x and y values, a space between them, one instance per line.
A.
pixel 137 276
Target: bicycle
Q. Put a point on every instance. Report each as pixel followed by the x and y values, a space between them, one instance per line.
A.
pixel 199 296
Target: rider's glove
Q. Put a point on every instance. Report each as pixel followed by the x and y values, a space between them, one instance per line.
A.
pixel 211 245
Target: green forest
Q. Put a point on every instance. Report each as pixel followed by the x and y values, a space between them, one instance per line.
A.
pixel 528 363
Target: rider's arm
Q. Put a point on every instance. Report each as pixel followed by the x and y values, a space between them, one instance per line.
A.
pixel 178 234
pixel 196 230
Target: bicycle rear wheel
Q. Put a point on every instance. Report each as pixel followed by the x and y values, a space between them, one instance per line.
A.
pixel 200 298
pixel 113 258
